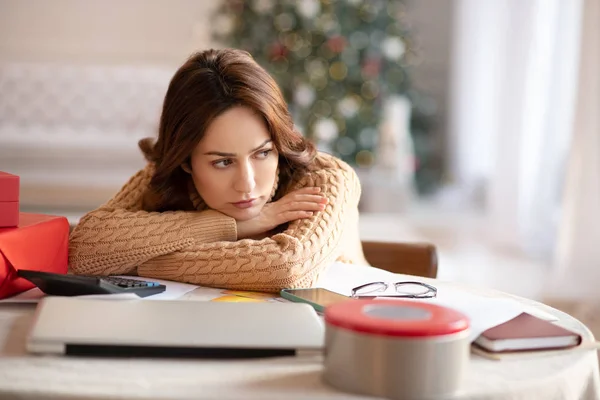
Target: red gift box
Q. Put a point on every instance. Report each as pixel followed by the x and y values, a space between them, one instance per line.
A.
pixel 39 243
pixel 9 199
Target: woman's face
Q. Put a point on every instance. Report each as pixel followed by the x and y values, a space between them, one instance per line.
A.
pixel 234 165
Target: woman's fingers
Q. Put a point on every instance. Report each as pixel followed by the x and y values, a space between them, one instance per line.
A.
pixel 310 190
pixel 307 194
pixel 301 203
pixel 311 198
pixel 305 206
pixel 288 216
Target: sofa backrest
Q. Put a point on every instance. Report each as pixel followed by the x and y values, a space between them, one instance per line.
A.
pixel 71 130
pixel 110 101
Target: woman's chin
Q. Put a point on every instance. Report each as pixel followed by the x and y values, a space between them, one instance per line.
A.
pixel 243 214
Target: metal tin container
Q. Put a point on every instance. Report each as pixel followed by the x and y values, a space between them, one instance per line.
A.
pixel 399 349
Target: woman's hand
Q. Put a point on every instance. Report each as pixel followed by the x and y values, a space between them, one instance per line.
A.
pixel 301 203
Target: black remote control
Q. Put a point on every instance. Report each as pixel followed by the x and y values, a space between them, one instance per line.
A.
pixel 76 285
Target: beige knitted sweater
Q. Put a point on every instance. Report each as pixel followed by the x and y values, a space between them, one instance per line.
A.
pixel 201 247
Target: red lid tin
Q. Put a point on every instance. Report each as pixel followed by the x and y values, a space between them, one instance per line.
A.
pixel 399 318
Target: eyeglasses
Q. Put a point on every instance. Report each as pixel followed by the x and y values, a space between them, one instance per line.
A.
pixel 406 289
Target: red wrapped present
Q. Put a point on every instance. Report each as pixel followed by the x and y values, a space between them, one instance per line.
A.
pixel 9 200
pixel 39 243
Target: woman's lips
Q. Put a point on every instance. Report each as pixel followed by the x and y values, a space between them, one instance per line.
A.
pixel 244 204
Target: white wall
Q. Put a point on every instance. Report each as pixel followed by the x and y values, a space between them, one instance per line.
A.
pixel 150 35
pixel 104 31
pixel 432 25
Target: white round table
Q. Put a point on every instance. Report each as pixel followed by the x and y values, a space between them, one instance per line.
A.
pixel 569 375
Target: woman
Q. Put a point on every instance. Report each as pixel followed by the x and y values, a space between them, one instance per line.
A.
pixel 232 195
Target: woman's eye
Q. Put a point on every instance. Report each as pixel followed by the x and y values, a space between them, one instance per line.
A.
pixel 222 163
pixel 263 154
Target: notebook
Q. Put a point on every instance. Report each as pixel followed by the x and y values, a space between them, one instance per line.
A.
pixel 526 332
pixel 138 328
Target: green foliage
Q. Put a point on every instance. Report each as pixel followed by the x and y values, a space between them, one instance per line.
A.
pixel 335 61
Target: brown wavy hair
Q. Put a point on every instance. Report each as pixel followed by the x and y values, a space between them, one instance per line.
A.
pixel 206 85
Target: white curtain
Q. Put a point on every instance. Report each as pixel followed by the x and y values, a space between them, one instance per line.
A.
pixel 514 83
pixel 578 251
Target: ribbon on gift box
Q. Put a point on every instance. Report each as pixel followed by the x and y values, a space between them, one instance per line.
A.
pixel 39 242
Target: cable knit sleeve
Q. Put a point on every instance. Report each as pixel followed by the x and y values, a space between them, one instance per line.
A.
pixel 119 236
pixel 291 259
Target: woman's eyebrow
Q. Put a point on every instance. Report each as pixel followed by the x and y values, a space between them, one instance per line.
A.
pixel 262 145
pixel 221 154
pixel 218 153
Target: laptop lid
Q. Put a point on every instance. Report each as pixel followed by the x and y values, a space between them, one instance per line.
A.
pixel 76 326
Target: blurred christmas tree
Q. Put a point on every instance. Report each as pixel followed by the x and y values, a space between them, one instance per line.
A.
pixel 336 62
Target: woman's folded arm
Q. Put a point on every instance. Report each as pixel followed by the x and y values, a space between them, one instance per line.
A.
pixel 119 236
pixel 292 258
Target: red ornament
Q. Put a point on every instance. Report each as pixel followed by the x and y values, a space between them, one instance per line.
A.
pixel 336 43
pixel 278 50
pixel 371 67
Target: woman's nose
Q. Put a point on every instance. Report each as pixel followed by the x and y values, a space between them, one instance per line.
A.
pixel 244 182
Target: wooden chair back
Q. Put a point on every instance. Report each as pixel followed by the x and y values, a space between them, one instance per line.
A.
pixel 419 259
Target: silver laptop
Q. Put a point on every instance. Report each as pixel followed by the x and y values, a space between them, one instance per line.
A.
pixel 140 328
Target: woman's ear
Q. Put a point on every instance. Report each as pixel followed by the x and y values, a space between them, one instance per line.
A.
pixel 186 167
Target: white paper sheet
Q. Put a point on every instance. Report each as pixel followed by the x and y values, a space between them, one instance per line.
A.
pixel 114 296
pixel 30 296
pixel 484 312
pixel 35 295
pixel 231 296
pixel 174 291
